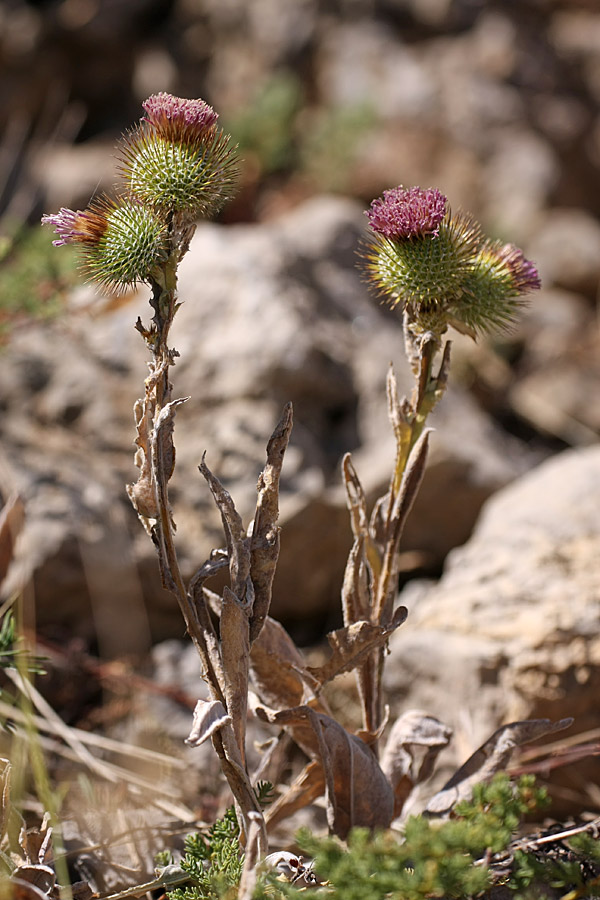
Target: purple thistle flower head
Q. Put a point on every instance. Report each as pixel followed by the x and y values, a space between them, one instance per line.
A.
pixel 404 213
pixel 66 225
pixel 524 274
pixel 173 116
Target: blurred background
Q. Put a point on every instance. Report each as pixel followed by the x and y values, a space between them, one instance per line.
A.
pixel 496 101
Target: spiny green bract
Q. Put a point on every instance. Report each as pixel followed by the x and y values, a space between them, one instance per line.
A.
pixel 428 270
pixel 133 243
pixel 194 177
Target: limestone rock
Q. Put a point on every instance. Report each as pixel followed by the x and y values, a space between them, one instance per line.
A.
pixel 512 629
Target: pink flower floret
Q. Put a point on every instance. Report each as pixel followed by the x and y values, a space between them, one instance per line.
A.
pixel 165 108
pixel 525 275
pixel 407 212
pixel 65 223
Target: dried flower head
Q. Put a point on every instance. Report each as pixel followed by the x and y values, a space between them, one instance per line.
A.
pixel 120 241
pixel 439 268
pixel 177 160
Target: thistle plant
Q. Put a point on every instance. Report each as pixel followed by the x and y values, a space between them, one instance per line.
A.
pixel 439 271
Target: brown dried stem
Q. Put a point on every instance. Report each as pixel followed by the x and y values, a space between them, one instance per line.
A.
pixel 251 559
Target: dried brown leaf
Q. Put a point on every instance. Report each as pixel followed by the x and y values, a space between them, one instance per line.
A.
pixel 356 596
pixel 280 678
pixel 351 644
pixel 410 752
pixel 238 550
pixel 411 482
pixel 209 716
pixel 235 652
pixel 491 757
pixel 357 791
pixel 142 494
pixel 264 544
pixel 355 498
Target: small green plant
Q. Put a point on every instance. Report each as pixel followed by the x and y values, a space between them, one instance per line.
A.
pixel 265 130
pixel 460 858
pixel 34 281
pixel 12 652
pixel 214 863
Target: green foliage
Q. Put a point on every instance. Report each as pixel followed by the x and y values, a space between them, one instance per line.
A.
pixel 34 279
pixel 11 653
pixel 450 859
pixel 265 130
pixel 282 137
pixel 332 145
pixel 214 862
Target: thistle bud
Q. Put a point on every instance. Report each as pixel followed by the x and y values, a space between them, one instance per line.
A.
pixel 494 292
pixel 120 241
pixel 177 159
pixel 439 268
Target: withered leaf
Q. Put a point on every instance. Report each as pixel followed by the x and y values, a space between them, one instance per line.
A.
pixel 209 716
pixel 235 651
pixel 277 667
pixel 356 790
pixel 356 596
pixel 491 757
pixel 235 535
pixel 280 678
pixel 264 545
pixel 12 517
pixel 410 752
pixel 352 643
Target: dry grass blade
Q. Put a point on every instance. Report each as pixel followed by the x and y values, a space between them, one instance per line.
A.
pixel 264 544
pixel 5 773
pixel 491 757
pixel 12 517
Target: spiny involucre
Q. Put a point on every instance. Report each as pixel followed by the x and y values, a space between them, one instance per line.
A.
pixel 439 268
pixel 177 160
pixel 120 241
pixel 178 167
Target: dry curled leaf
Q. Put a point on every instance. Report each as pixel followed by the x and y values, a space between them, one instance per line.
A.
pixel 235 652
pixel 264 545
pixel 410 752
pixel 209 716
pixel 356 790
pixel 350 645
pixel 491 757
